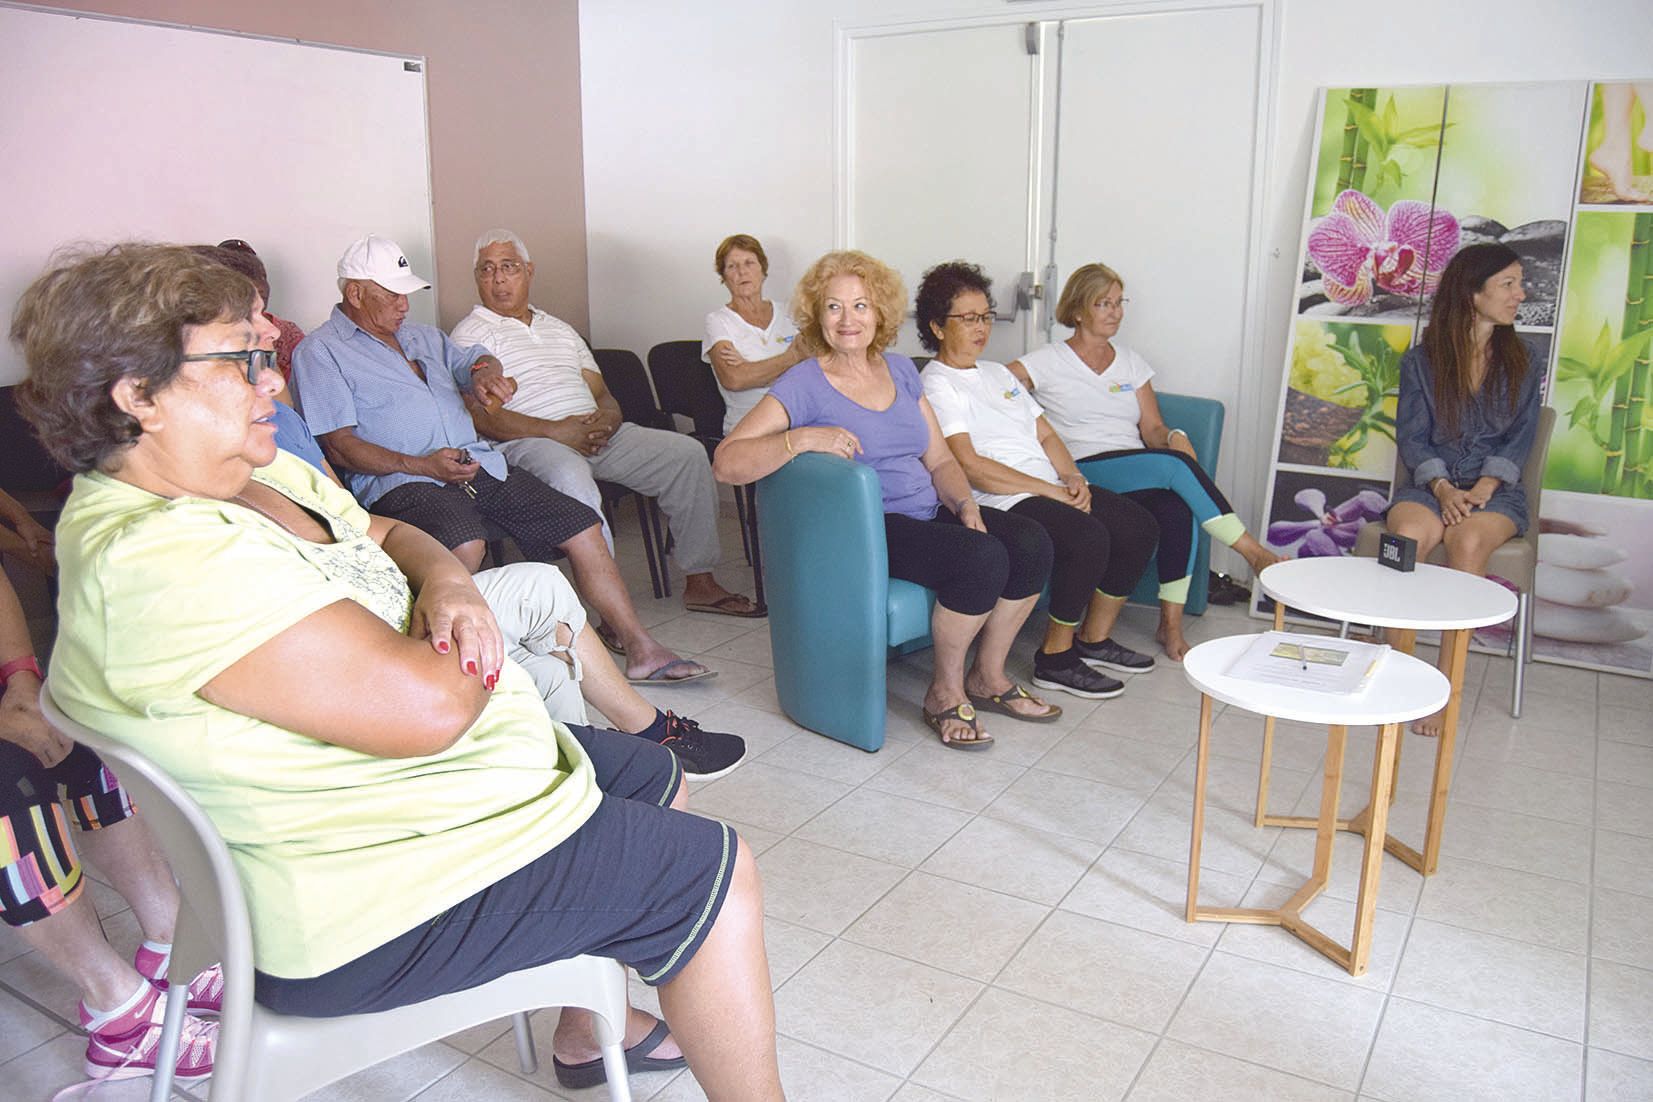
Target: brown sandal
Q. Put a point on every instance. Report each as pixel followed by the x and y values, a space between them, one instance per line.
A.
pixel 962 713
pixel 996 703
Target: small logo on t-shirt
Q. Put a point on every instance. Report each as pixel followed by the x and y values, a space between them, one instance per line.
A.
pixel 1011 394
pixel 1121 388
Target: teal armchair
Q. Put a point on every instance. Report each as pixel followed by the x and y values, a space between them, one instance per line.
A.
pixel 1202 420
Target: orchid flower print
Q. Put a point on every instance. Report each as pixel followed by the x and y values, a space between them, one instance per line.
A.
pixel 1329 533
pixel 1357 247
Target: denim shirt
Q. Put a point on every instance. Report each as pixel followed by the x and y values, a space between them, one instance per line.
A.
pixel 344 377
pixel 1490 442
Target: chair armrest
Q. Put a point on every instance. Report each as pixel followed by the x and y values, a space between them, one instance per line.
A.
pixel 826 581
pixel 1201 418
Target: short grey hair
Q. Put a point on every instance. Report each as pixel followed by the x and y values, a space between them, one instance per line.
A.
pixel 495 237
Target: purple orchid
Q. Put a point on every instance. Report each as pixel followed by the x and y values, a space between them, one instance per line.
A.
pixel 1329 533
pixel 1357 246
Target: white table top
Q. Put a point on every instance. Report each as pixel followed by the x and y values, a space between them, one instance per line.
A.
pixel 1403 688
pixel 1361 591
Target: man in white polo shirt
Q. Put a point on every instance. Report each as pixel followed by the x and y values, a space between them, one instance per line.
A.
pixel 564 427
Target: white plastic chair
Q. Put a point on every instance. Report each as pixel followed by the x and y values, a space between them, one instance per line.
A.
pixel 266 1056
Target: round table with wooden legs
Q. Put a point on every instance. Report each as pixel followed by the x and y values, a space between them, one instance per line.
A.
pixel 1401 689
pixel 1428 598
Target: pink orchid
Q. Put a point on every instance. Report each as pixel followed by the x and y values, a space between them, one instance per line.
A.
pixel 1356 246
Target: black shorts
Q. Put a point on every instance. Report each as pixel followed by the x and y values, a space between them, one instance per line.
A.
pixel 638 882
pixel 539 518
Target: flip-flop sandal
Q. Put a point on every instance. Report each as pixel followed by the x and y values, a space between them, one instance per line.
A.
pixel 962 713
pixel 659 676
pixel 728 606
pixel 996 703
pixel 610 638
pixel 592 1073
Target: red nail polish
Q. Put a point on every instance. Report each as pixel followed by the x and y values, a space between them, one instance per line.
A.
pixel 442 647
pixel 493 679
pixel 470 667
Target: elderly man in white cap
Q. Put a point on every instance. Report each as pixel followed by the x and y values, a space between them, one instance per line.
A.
pixel 564 426
pixel 384 399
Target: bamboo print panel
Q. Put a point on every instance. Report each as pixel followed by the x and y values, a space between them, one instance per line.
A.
pixel 1404 178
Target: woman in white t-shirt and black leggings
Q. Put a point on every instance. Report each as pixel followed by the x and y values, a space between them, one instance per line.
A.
pixel 1015 462
pixel 1096 394
pixel 748 342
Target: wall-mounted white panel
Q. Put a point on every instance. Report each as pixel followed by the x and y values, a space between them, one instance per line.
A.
pixel 113 130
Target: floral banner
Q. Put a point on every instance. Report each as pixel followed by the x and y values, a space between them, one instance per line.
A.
pixel 1404 177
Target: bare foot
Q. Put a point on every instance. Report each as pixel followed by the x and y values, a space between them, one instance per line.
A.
pixel 1614 163
pixel 1429 726
pixel 1172 641
pixel 1255 554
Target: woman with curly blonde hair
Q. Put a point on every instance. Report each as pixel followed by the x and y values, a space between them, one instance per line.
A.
pixel 857 401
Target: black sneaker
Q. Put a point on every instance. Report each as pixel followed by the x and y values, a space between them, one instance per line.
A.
pixel 1108 655
pixel 1067 672
pixel 704 755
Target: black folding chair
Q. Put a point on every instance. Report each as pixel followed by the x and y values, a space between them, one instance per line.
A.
pixel 686 386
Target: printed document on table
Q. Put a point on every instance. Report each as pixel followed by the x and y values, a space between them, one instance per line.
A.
pixel 1314 662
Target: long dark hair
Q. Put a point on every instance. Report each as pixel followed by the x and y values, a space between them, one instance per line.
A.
pixel 1450 339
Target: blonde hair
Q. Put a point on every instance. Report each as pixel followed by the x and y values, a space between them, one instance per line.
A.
pixel 884 289
pixel 740 241
pixel 1082 289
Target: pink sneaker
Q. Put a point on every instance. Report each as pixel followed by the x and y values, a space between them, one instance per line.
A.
pixel 125 1048
pixel 206 990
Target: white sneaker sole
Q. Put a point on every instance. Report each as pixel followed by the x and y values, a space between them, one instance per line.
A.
pixel 1106 694
pixel 1114 667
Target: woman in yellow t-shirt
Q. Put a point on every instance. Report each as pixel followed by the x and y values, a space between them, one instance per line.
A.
pixel 332 689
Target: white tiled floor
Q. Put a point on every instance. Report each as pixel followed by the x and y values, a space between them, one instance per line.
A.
pixel 1008 925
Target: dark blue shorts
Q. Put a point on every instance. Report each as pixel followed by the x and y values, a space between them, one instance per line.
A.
pixel 638 882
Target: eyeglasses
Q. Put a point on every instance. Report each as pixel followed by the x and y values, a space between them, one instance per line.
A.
pixel 256 359
pixel 973 319
pixel 505 267
pixel 1114 303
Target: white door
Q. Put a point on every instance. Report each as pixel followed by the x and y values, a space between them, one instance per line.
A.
pixel 939 144
pixel 1154 158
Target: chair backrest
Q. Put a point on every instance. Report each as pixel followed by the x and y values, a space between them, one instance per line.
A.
pixel 213 923
pixel 625 378
pixel 687 386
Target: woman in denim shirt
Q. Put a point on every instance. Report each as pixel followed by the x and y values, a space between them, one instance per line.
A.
pixel 1467 416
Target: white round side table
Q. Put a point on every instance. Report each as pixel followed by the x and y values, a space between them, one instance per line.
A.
pixel 1428 598
pixel 1401 689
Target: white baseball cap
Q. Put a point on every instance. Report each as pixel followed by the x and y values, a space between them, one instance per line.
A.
pixel 382 261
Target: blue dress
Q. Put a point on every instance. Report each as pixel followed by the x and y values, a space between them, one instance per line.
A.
pixel 1491 439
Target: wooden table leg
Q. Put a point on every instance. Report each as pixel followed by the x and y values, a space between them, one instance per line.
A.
pixel 1268 739
pixel 1200 762
pixel 1337 740
pixel 1455 646
pixel 1371 861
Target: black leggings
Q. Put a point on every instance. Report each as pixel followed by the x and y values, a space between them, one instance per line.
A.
pixel 1102 551
pixel 969 570
pixel 1176 530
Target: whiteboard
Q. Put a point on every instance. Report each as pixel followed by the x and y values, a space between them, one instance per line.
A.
pixel 114 130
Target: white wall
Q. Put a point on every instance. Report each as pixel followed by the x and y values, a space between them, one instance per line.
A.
pixel 702 120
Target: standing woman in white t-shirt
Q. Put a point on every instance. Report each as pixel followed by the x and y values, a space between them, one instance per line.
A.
pixel 1097 395
pixel 748 342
